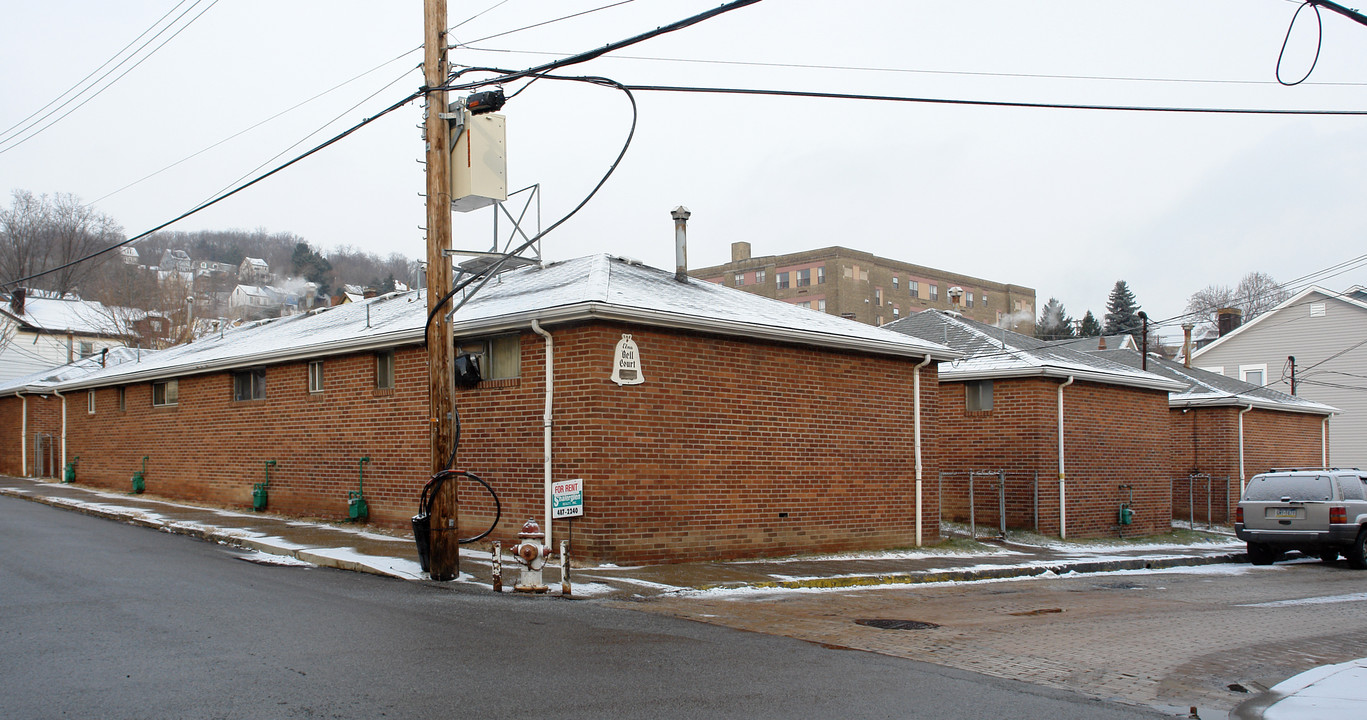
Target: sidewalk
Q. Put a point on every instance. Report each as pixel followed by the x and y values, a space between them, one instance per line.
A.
pixel 391 553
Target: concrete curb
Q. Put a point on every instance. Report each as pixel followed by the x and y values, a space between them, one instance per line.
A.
pixel 209 534
pixel 997 573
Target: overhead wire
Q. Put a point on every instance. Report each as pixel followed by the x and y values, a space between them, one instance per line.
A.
pixel 16 143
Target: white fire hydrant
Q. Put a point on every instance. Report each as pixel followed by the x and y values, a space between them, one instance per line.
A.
pixel 531 553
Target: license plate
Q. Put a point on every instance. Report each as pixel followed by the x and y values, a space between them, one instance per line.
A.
pixel 1283 512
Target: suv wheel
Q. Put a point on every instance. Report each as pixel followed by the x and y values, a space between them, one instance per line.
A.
pixel 1259 554
pixel 1357 554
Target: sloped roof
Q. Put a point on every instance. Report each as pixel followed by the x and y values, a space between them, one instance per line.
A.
pixel 1089 344
pixel 996 353
pixel 1208 389
pixel 1349 297
pixel 44 381
pixel 597 287
pixel 80 317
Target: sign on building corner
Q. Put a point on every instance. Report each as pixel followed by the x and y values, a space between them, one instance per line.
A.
pixel 626 363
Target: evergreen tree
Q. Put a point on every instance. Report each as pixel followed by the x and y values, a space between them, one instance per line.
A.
pixel 1090 327
pixel 1122 313
pixel 1054 323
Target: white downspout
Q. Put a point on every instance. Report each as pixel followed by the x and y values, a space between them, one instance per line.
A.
pixel 1243 478
pixel 1324 442
pixel 546 420
pixel 916 437
pixel 23 436
pixel 1062 494
pixel 63 465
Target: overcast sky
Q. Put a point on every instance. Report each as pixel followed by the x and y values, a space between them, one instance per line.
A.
pixel 1064 201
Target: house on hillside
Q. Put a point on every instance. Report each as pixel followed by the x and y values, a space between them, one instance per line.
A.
pixel 1223 431
pixel 1326 333
pixel 253 271
pixel 40 331
pixel 703 421
pixel 1058 437
pixel 177 261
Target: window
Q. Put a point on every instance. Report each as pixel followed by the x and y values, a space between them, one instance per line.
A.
pixel 384 370
pixel 914 288
pixel 740 279
pixel 894 282
pixel 759 277
pixel 821 275
pixel 984 299
pixel 1253 374
pixel 249 385
pixel 805 304
pixel 821 305
pixel 878 296
pixel 782 280
pixel 896 312
pixel 863 275
pixel 156 326
pixel 90 401
pixel 165 392
pixel 123 399
pixel 498 358
pixel 970 299
pixel 934 293
pixel 849 273
pixel 804 278
pixel 316 376
pixel 87 348
pixel 978 395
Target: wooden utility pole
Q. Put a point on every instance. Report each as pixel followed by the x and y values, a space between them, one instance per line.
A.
pixel 444 556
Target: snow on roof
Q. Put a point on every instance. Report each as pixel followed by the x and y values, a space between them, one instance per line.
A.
pixel 1209 389
pixel 45 380
pixel 998 353
pixel 257 262
pixel 1088 344
pixel 595 287
pixel 80 317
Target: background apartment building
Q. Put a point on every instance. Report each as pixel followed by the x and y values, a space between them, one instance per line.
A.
pixel 873 290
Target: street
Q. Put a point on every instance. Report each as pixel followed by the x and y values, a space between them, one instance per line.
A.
pixel 1206 637
pixel 107 620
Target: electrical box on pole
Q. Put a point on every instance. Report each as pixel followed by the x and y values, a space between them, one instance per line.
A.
pixel 479 160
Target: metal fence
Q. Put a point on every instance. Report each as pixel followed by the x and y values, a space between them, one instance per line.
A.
pixel 1200 497
pixel 993 498
pixel 44 460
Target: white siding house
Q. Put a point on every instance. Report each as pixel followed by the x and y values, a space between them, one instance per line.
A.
pixel 1326 333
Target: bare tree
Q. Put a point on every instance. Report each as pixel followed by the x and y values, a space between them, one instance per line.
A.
pixel 45 232
pixel 147 307
pixel 1256 293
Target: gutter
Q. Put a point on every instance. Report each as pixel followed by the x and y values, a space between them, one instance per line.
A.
pixel 23 435
pixel 546 420
pixel 63 398
pixel 1324 443
pixel 916 435
pixel 1152 382
pixel 1242 476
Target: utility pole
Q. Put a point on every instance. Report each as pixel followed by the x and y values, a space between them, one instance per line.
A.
pixel 444 549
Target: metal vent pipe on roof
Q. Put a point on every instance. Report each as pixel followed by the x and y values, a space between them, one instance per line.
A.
pixel 680 215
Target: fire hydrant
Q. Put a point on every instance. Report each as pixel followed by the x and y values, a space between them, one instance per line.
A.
pixel 531 554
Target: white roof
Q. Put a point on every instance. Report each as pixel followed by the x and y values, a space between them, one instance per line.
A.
pixel 590 288
pixel 80 317
pixel 44 381
pixel 995 353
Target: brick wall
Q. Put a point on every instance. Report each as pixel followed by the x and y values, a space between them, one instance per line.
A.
pixel 45 418
pixel 1205 441
pixel 1113 436
pixel 730 448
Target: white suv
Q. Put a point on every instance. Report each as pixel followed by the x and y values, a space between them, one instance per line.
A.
pixel 1318 511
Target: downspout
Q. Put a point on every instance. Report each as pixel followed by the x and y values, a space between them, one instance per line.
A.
pixel 63 398
pixel 1324 442
pixel 1062 494
pixel 916 437
pixel 546 420
pixel 23 435
pixel 1242 476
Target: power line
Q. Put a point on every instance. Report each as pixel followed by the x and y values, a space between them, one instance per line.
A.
pixel 540 24
pixel 97 93
pixel 984 103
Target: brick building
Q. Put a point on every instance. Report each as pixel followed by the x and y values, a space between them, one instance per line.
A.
pixel 870 289
pixel 1060 438
pixel 749 428
pixel 1223 431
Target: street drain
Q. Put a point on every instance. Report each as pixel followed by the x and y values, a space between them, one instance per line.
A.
pixel 886 624
pixel 1041 611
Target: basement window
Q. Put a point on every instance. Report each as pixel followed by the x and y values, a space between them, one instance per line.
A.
pixel 249 385
pixel 978 395
pixel 165 392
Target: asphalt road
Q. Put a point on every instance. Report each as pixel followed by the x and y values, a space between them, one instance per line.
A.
pixel 100 619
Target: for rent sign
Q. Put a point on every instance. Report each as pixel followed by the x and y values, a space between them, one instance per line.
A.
pixel 567 499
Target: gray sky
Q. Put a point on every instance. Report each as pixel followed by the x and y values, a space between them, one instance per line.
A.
pixel 1064 201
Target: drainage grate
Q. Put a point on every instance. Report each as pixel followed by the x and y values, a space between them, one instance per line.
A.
pixel 886 624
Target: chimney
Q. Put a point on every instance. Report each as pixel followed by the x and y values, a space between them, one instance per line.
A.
pixel 1186 343
pixel 740 251
pixel 955 293
pixel 1228 319
pixel 680 215
pixel 16 300
pixel 1101 343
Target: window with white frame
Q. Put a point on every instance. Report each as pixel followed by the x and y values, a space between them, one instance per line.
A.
pixel 782 279
pixel 970 299
pixel 316 376
pixel 913 287
pixel 384 370
pixel 821 305
pixel 821 275
pixel 1254 374
pixel 759 277
pixel 804 278
pixel 978 395
pixel 249 385
pixel 934 293
pixel 740 279
pixel 90 401
pixel 895 283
